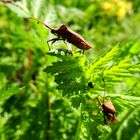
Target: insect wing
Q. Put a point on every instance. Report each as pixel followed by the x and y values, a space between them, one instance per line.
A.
pixel 110 106
pixel 78 40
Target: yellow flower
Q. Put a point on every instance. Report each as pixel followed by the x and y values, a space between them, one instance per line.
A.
pixel 121 13
pixel 121 4
pixel 106 6
pixel 128 6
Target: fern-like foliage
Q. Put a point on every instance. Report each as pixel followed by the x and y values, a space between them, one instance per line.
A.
pixel 69 72
pixel 7 92
pixel 73 73
pixel 81 81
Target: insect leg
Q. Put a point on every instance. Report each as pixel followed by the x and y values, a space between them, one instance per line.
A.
pixel 48 45
pixel 69 50
pixel 52 41
pixel 66 44
pixel 110 117
pixel 105 119
pixel 84 44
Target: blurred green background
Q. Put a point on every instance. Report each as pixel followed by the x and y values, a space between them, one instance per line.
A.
pixel 31 108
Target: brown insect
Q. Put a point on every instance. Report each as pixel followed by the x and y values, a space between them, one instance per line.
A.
pixel 108 111
pixel 65 34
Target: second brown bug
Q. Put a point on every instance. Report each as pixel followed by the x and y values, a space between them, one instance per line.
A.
pixel 108 111
pixel 65 34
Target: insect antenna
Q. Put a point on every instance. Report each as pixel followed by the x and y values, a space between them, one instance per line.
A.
pixel 38 21
pixel 104 89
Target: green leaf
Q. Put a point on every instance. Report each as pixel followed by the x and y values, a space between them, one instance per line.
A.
pixel 7 92
pixel 19 8
pixel 75 101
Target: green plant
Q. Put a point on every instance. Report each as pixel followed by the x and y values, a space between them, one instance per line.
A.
pixel 73 73
pixel 53 96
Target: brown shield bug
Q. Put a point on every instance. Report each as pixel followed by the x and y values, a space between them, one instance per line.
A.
pixel 65 34
pixel 108 111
